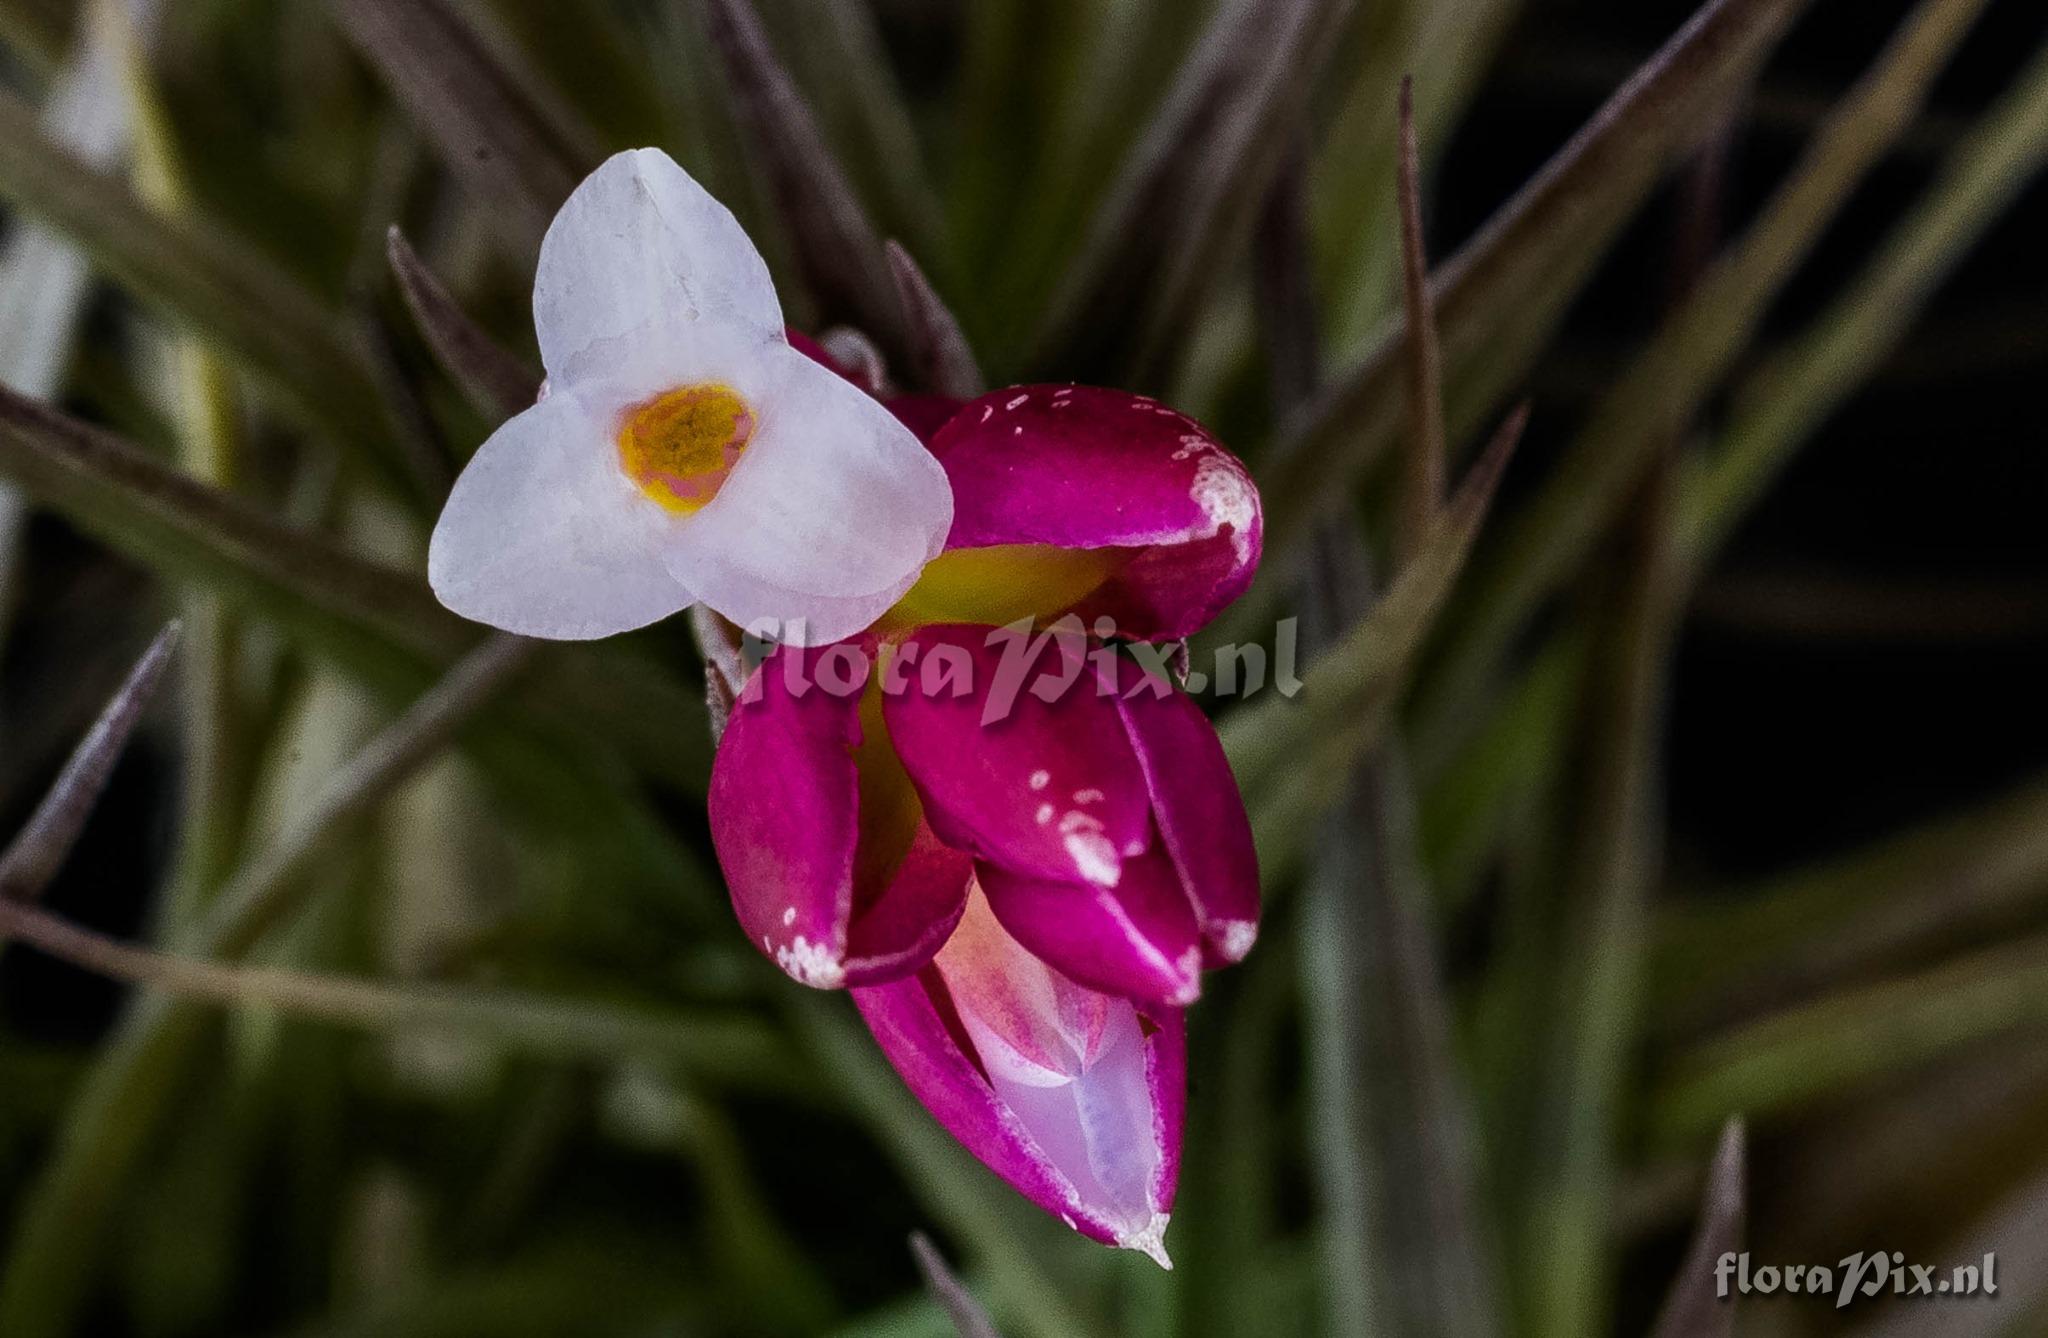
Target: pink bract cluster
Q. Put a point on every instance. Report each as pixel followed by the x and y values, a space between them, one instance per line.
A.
pixel 1022 900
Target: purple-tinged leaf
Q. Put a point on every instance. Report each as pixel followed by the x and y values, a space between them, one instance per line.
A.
pixel 969 1319
pixel 837 247
pixel 493 129
pixel 1188 193
pixel 498 383
pixel 1499 298
pixel 33 857
pixel 1694 1308
pixel 941 362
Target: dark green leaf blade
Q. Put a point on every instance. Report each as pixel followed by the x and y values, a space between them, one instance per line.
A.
pixel 1288 755
pixel 254 313
pixel 362 612
pixel 1551 537
pixel 1500 296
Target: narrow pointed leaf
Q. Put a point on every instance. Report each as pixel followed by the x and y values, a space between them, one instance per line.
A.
pixel 1828 1048
pixel 599 57
pixel 1188 192
pixel 1780 405
pixel 969 1319
pixel 1393 1136
pixel 251 311
pixel 362 611
pixel 1870 907
pixel 491 128
pixel 941 362
pixel 837 248
pixel 1694 1308
pixel 1553 535
pixel 57 1235
pixel 44 278
pixel 33 857
pixel 716 1048
pixel 836 54
pixel 496 382
pixel 1499 298
pixel 1423 479
pixel 382 625
pixel 1289 755
pixel 1447 46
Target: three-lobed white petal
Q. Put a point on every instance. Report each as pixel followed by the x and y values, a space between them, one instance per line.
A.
pixel 646 284
pixel 544 536
pixel 640 255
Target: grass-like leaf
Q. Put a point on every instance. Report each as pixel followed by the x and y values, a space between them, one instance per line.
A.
pixel 253 312
pixel 1551 537
pixel 1588 986
pixel 1188 193
pixel 1693 1308
pixel 493 130
pixel 837 248
pixel 835 52
pixel 362 613
pixel 1962 874
pixel 940 360
pixel 55 1245
pixel 969 1319
pixel 33 857
pixel 1401 1242
pixel 1290 757
pixel 1781 404
pixel 546 1026
pixel 1498 299
pixel 44 280
pixel 1444 46
pixel 496 382
pixel 1831 1047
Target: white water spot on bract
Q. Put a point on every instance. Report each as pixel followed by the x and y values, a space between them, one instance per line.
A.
pixel 788 917
pixel 1017 403
pixel 1226 498
pixel 1235 938
pixel 1094 855
pixel 1089 796
pixel 1044 814
pixel 1040 779
pixel 988 411
pixel 812 963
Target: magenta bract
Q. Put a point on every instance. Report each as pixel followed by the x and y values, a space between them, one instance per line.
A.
pixel 1076 1098
pixel 1021 848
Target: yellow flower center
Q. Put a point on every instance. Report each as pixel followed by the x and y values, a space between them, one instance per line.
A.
pixel 680 446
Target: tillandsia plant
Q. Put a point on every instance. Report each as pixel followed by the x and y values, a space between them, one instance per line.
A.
pixel 756 630
pixel 1026 866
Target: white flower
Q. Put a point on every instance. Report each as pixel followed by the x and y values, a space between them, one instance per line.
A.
pixel 683 450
